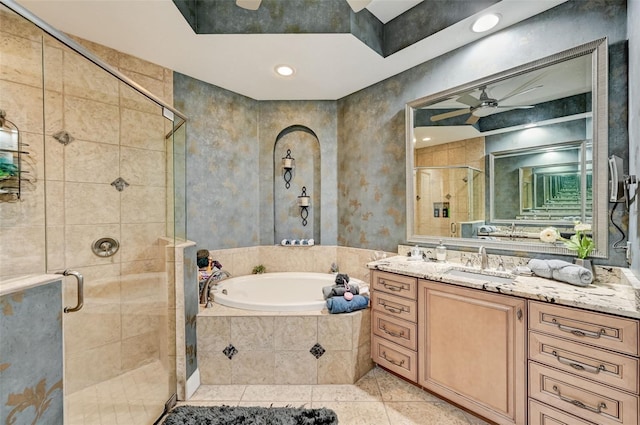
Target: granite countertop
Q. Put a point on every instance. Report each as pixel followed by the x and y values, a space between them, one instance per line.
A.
pixel 613 293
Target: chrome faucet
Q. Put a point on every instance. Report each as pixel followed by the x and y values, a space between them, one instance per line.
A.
pixel 484 260
pixel 212 282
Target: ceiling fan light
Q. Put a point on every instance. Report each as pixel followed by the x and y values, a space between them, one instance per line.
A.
pixel 485 22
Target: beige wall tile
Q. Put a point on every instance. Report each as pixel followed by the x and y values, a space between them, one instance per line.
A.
pixel 10 23
pixel 53 67
pixel 23 105
pixel 141 66
pixel 91 162
pixel 215 368
pixel 143 167
pixel 97 324
pixel 252 333
pixel 107 54
pixel 295 333
pixel 90 367
pixel 253 367
pixel 21 60
pixel 295 367
pixel 142 129
pixel 83 79
pixel 142 204
pixel 55 248
pixel 214 334
pixel 53 109
pixel 335 331
pixel 129 98
pixel 140 241
pixel 150 265
pixel 140 350
pixel 336 367
pixel 79 239
pixel 89 203
pixel 22 252
pixel 91 120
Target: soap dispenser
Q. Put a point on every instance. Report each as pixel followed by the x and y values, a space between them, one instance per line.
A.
pixel 441 253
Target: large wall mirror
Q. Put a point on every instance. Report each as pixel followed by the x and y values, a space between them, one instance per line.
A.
pixel 495 161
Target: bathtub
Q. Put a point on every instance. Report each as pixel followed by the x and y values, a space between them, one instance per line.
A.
pixel 287 291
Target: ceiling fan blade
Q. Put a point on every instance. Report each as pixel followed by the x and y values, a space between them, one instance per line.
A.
pixel 449 114
pixel 525 87
pixel 530 89
pixel 472 119
pixel 358 5
pixel 248 4
pixel 516 107
pixel 467 99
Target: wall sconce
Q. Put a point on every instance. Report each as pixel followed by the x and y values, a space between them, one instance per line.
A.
pixel 288 164
pixel 304 202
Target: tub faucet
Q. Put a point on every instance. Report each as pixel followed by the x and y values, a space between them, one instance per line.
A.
pixel 484 260
pixel 212 282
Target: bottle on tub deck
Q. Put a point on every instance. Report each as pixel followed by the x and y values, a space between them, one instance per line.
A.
pixel 441 253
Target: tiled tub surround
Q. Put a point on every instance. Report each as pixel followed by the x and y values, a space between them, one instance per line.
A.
pixel 252 347
pixel 611 293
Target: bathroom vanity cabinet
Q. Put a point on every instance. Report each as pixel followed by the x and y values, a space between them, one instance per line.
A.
pixel 471 349
pixel 510 359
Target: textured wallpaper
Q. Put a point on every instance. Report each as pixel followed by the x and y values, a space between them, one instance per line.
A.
pixel 362 136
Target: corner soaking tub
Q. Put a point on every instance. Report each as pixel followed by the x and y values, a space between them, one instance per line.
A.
pixel 286 291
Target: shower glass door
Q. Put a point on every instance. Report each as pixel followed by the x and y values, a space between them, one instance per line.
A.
pixel 99 199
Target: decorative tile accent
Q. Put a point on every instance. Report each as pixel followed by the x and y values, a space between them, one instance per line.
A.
pixel 119 184
pixel 230 351
pixel 317 350
pixel 64 137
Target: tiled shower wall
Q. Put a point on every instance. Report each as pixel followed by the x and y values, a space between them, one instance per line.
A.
pixel 117 133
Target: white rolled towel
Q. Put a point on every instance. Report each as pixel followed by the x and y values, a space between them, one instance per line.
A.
pixel 561 271
pixel 485 228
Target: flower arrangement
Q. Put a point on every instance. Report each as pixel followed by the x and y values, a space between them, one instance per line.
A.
pixel 580 242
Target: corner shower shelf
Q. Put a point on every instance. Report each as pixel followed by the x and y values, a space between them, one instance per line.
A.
pixel 11 185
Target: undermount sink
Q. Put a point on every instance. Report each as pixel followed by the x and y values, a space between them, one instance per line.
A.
pixel 504 277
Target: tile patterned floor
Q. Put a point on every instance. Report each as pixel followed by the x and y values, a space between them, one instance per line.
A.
pixel 379 398
pixel 134 398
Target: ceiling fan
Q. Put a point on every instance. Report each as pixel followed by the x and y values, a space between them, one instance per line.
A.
pixel 486 105
pixel 356 5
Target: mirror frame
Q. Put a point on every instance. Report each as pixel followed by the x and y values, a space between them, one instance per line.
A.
pixel 598 50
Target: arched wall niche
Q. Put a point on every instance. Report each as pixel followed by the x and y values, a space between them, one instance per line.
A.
pixel 305 149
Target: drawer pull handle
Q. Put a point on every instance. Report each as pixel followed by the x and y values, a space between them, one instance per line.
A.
pixel 391 287
pixel 579 332
pixel 392 361
pixel 580 404
pixel 395 310
pixel 578 365
pixel 393 334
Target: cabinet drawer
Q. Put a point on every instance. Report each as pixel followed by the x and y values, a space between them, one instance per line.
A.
pixel 399 331
pixel 541 414
pixel 580 397
pixel 403 286
pixel 397 359
pixel 607 367
pixel 394 306
pixel 602 330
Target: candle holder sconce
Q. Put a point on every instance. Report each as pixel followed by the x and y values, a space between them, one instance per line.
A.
pixel 288 164
pixel 304 202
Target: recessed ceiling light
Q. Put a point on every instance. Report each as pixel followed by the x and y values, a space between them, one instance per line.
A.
pixel 285 70
pixel 426 139
pixel 485 22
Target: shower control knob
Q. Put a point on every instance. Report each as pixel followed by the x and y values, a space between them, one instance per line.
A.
pixel 105 247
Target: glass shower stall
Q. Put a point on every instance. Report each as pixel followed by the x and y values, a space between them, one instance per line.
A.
pixel 94 187
pixel 447 197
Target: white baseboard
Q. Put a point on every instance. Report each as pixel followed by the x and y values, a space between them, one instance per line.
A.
pixel 193 383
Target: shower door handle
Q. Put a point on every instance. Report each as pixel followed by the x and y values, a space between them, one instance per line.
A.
pixel 80 281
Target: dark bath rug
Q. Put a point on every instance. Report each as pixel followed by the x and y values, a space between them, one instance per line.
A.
pixel 228 415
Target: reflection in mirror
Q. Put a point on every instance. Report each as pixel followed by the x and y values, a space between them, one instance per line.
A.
pixel 496 161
